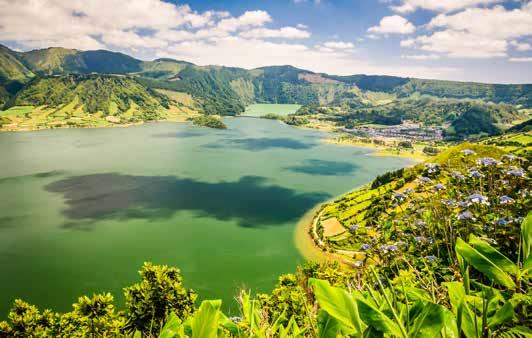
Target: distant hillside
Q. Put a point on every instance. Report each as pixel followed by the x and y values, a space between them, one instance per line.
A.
pixel 227 90
pixel 110 95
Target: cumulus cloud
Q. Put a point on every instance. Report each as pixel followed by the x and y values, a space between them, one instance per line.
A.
pixel 339 45
pixel 476 32
pixel 407 6
pixel 421 57
pixel 284 32
pixel 394 24
pixel 523 59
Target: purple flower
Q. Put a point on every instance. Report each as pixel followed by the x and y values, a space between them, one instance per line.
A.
pixel 488 161
pixel 353 227
pixel 466 216
pixel 420 223
pixel 420 239
pixel 448 202
pixel 393 248
pixel 509 157
pixel 365 247
pixel 424 179
pixel 506 199
pixel 409 190
pixel 431 259
pixel 468 152
pixel 399 196
pixel 358 264
pixel 501 221
pixel 475 173
pixel 458 175
pixel 432 167
pixel 439 187
pixel 463 204
pixel 401 244
pixel 478 198
pixel 516 172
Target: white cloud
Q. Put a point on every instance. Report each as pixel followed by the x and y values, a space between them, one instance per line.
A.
pixel 394 24
pixel 461 44
pixel 476 32
pixel 523 59
pixel 248 19
pixel 496 22
pixel 284 33
pixel 301 26
pixel 339 45
pixel 421 57
pixel 407 6
pixel 521 46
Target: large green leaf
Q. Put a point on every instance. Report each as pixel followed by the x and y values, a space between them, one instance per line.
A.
pixel 495 256
pixel 429 322
pixel 502 316
pixel 484 261
pixel 328 326
pixel 465 318
pixel 526 235
pixel 172 328
pixel 375 318
pixel 206 320
pixel 338 303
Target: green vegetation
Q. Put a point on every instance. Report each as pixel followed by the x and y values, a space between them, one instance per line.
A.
pixel 467 109
pixel 208 121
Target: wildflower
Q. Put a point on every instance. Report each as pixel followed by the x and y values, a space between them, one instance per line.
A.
pixel 431 259
pixel 399 196
pixel 501 221
pixel 420 239
pixel 509 157
pixel 353 227
pixel 468 152
pixel 424 179
pixel 439 187
pixel 365 247
pixel 235 319
pixel 506 199
pixel 448 202
pixel 401 244
pixel 432 167
pixel 475 173
pixel 458 175
pixel 409 190
pixel 488 161
pixel 358 264
pixel 420 223
pixel 463 204
pixel 466 216
pixel 516 172
pixel 478 198
pixel 393 247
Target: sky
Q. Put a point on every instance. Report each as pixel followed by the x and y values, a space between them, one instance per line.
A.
pixel 466 40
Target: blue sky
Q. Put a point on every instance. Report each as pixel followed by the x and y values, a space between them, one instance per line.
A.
pixel 472 40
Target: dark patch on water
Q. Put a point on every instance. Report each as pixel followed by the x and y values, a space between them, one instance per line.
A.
pixel 263 143
pixel 249 201
pixel 180 134
pixel 326 168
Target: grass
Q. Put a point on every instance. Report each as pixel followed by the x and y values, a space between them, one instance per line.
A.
pixel 17 111
pixel 261 109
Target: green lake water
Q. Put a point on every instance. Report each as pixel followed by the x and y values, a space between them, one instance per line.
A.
pixel 261 109
pixel 82 209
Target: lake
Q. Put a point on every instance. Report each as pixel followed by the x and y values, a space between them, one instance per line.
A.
pixel 262 109
pixel 82 209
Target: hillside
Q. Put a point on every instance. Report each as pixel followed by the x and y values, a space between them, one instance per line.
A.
pixel 89 100
pixel 465 109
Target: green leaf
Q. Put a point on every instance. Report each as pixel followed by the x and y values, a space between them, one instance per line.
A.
pixel 376 318
pixel 484 261
pixel 328 326
pixel 449 329
pixel 206 320
pixel 495 256
pixel 172 327
pixel 526 235
pixel 338 303
pixel 429 322
pixel 502 316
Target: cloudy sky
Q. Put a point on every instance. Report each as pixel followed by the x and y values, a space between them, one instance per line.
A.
pixel 479 40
